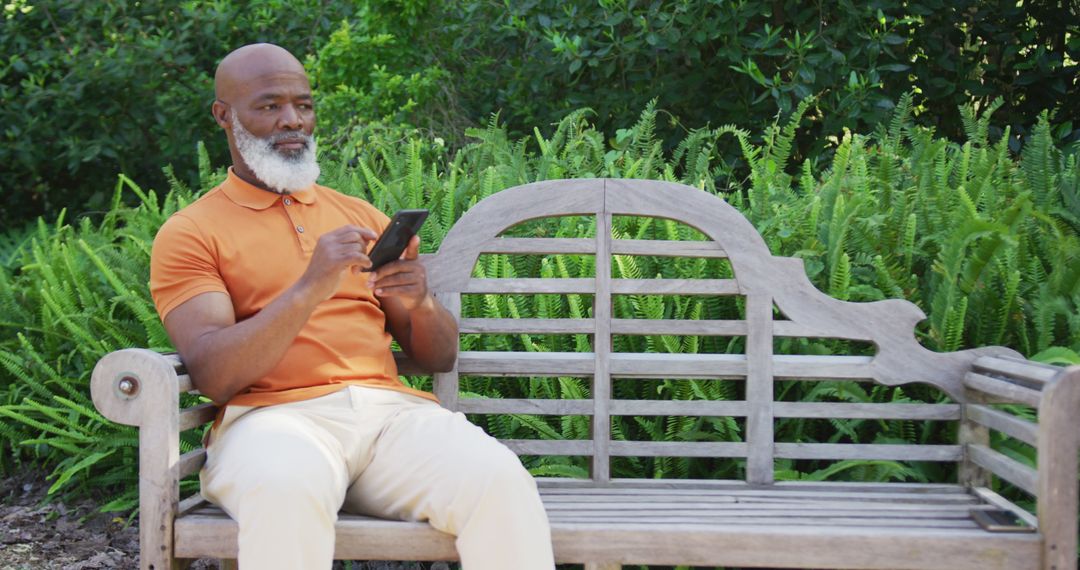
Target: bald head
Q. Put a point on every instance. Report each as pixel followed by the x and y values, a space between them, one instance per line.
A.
pixel 264 104
pixel 250 64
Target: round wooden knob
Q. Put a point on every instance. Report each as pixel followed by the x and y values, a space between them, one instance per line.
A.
pixel 128 385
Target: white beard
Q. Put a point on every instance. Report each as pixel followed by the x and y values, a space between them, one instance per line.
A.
pixel 281 173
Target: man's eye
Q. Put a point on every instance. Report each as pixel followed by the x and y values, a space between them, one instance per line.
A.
pixel 270 107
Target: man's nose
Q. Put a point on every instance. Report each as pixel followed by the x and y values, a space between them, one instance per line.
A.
pixel 291 119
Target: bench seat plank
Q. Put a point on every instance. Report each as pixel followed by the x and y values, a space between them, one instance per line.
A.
pixel 866 529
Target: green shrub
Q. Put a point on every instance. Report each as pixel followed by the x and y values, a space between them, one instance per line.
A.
pixel 89 89
pixel 986 244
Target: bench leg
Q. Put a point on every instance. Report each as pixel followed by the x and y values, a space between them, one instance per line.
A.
pixel 603 566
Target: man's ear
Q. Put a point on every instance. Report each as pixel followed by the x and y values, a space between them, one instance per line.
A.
pixel 220 110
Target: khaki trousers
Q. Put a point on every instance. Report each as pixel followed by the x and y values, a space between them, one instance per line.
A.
pixel 283 472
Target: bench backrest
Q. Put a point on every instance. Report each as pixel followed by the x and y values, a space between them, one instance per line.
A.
pixel 774 297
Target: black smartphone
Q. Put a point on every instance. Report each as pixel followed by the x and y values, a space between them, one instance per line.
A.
pixel 1000 520
pixel 393 241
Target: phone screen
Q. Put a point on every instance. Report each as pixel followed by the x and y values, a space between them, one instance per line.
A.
pixel 392 243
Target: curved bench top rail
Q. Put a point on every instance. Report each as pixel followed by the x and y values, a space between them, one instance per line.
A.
pixel 888 324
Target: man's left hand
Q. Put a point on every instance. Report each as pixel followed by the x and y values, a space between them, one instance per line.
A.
pixel 404 279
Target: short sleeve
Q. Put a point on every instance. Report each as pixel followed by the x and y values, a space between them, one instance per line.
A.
pixel 182 265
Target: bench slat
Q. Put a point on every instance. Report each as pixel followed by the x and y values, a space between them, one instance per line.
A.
pixel 1005 467
pixel 1032 372
pixel 641 365
pixel 819 540
pixel 1005 423
pixel 185 384
pixel 587 286
pixel 582 286
pixel 191 462
pixel 540 246
pixel 822 492
pixel 735 408
pixel 701 327
pixel 514 326
pixel 867 411
pixel 549 447
pixel 1005 390
pixel 869 451
pixel 677 449
pixel 526 406
pixel 665 248
pixel 764 507
pixel 677 327
pixel 674 287
pixel 196 416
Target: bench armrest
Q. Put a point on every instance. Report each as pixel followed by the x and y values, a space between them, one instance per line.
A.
pixel 1059 445
pixel 140 387
pixel 1055 394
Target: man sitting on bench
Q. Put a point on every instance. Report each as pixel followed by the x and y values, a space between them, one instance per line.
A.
pixel 259 286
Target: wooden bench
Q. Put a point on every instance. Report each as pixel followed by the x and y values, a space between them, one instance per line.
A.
pixel 605 522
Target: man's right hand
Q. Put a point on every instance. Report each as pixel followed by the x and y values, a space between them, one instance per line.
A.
pixel 336 251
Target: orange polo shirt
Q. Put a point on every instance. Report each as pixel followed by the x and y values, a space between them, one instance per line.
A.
pixel 252 245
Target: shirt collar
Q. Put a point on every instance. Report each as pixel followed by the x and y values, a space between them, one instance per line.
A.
pixel 251 196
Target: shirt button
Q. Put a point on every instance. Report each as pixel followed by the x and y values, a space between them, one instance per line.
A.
pixel 288 201
pixel 300 229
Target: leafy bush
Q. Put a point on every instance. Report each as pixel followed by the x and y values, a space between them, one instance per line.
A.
pixel 986 244
pixel 89 89
pixel 714 62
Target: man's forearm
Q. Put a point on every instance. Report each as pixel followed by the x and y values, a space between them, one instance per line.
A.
pixel 433 336
pixel 226 361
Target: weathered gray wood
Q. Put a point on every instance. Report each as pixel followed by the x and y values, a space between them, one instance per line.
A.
pixel 605 522
pixel 197 416
pixel 663 248
pixel 1024 371
pixel 512 326
pixel 678 449
pixel 549 447
pixel 698 328
pixel 1005 467
pixel 971 432
pixel 635 365
pixel 855 546
pixel 674 287
pixel 192 503
pixel 445 384
pixel 601 387
pixel 153 405
pixel 678 408
pixel 869 451
pixel 759 388
pixel 173 358
pixel 1002 389
pixel 785 488
pixel 1058 445
pixel 1005 423
pixel 632 490
pixel 938 412
pixel 191 462
pixel 540 246
pixel 787 520
pixel 997 501
pixel 184 384
pixel 524 406
pixel 532 285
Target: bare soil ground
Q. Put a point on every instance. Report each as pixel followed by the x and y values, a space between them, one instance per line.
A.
pixel 40 535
